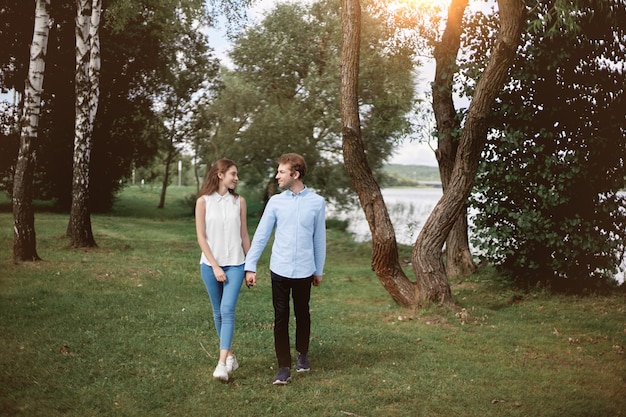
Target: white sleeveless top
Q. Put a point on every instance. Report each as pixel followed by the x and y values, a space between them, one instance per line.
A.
pixel 223 229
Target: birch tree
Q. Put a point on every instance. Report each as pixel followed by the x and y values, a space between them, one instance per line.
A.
pixel 86 105
pixel 25 245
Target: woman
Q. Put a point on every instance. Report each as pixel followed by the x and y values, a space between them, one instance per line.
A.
pixel 223 237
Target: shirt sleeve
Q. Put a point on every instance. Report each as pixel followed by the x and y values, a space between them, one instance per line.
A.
pixel 261 237
pixel 319 240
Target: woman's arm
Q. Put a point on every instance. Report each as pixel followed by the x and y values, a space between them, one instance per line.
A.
pixel 202 239
pixel 245 236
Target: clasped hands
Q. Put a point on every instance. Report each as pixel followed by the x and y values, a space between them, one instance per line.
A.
pixel 251 279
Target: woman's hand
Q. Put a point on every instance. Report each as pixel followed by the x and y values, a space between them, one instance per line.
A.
pixel 220 276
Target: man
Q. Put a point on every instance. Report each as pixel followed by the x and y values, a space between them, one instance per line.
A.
pixel 297 260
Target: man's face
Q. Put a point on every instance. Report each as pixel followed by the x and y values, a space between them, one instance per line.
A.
pixel 284 176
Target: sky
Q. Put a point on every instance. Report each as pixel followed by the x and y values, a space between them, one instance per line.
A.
pixel 408 153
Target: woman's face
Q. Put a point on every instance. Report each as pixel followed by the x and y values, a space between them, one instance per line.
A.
pixel 230 178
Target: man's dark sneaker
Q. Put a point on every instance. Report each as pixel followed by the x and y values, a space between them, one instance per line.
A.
pixel 303 363
pixel 283 377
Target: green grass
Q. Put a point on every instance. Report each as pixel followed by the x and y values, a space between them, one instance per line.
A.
pixel 126 330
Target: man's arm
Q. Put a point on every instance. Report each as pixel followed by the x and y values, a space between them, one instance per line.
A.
pixel 319 243
pixel 260 239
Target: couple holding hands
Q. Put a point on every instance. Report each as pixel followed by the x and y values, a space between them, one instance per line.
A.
pixel 297 218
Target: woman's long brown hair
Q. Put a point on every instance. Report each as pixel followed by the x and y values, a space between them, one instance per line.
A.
pixel 211 180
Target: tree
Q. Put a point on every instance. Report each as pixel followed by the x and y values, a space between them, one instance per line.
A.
pixel 17 20
pixel 548 189
pixel 9 142
pixel 139 40
pixel 432 282
pixel 385 260
pixel 288 66
pixel 87 93
pixel 418 24
pixel 220 117
pixel 288 60
pixel 458 257
pixel 190 70
pixel 25 245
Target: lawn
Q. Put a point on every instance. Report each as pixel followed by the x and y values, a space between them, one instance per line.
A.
pixel 125 329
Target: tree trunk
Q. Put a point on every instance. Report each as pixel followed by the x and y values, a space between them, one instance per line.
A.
pixel 166 179
pixel 171 149
pixel 196 171
pixel 87 94
pixel 385 259
pixel 458 256
pixel 459 260
pixel 428 266
pixel 25 243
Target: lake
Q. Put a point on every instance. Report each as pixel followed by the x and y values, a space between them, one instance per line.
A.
pixel 408 210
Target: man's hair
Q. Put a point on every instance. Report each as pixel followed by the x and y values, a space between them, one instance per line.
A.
pixel 296 162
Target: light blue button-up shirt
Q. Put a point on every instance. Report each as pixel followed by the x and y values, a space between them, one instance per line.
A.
pixel 299 248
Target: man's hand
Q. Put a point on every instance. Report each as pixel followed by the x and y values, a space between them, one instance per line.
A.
pixel 317 280
pixel 250 279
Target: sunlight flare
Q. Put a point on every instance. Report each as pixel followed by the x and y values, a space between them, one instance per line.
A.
pixel 418 4
pixel 415 7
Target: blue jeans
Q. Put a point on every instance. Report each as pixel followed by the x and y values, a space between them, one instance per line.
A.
pixel 223 297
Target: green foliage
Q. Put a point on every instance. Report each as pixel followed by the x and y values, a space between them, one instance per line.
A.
pixel 336 224
pixel 9 144
pixel 126 330
pixel 283 96
pixel 549 208
pixel 139 41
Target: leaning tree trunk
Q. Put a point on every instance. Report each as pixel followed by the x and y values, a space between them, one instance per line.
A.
pixel 428 266
pixel 458 259
pixel 25 242
pixel 385 259
pixel 87 94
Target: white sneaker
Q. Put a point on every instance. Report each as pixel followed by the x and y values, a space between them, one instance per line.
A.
pixel 220 372
pixel 231 364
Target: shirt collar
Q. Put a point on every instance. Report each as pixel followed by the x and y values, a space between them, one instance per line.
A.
pixel 225 197
pixel 302 192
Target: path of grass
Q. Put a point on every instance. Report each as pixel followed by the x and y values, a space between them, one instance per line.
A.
pixel 126 330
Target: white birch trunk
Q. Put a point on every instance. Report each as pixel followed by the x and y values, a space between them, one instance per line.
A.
pixel 94 60
pixel 24 247
pixel 86 106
